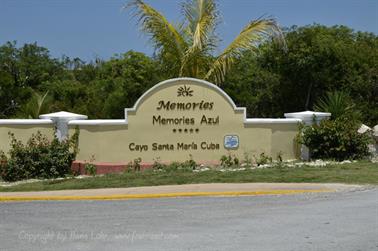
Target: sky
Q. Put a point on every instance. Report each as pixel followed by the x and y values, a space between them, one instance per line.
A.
pixel 101 28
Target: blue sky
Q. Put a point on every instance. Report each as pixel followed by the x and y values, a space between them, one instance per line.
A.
pixel 99 28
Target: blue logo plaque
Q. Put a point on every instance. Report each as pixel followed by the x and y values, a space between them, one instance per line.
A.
pixel 231 141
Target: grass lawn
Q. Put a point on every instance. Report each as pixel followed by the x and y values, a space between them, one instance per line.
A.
pixel 354 173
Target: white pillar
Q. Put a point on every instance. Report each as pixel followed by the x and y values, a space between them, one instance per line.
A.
pixel 308 118
pixel 61 120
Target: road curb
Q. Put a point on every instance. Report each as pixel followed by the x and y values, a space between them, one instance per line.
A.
pixel 161 195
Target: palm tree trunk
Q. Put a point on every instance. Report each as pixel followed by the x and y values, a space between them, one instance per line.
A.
pixel 308 96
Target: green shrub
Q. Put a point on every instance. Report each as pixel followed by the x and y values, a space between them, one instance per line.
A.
pixel 339 104
pixel 158 165
pixel 190 163
pixel 263 159
pixel 280 157
pixel 172 167
pixel 38 158
pixel 248 161
pixel 134 165
pixel 335 139
pixel 3 157
pixel 229 161
pixel 90 168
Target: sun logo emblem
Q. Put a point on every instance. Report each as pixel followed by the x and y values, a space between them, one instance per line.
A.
pixel 184 91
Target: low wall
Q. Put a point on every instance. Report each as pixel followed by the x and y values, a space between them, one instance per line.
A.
pixel 23 130
pixel 175 120
pixel 109 140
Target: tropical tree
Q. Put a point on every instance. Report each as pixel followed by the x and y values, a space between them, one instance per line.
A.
pixel 187 49
pixel 22 70
pixel 339 104
pixel 37 105
pixel 319 59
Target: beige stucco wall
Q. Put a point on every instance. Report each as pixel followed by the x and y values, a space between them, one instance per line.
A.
pixel 111 143
pixel 284 141
pixel 22 132
pixel 117 141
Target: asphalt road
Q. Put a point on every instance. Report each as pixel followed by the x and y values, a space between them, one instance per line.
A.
pixel 326 221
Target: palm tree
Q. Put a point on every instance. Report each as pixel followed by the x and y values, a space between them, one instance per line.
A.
pixel 37 105
pixel 339 104
pixel 188 47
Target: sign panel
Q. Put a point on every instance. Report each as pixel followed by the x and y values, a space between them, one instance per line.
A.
pixel 182 118
pixel 187 116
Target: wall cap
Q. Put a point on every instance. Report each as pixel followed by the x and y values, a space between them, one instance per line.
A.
pixel 25 121
pixel 63 115
pixel 273 121
pixel 307 114
pixel 98 122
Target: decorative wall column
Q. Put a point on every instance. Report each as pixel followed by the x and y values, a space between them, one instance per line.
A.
pixel 61 120
pixel 308 118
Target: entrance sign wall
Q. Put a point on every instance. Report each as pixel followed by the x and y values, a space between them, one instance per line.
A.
pixel 185 117
pixel 175 120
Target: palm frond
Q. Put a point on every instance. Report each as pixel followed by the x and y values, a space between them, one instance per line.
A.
pixel 196 63
pixel 37 105
pixel 250 38
pixel 164 34
pixel 339 104
pixel 202 18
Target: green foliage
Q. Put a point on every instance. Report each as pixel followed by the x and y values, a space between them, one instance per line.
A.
pixel 247 160
pixel 37 105
pixel 280 157
pixel 90 168
pixel 318 60
pixel 157 165
pixel 29 65
pixel 263 159
pixel 353 173
pixel 38 158
pixel 172 167
pixel 228 161
pixel 3 159
pixel 100 89
pixel 175 166
pixel 190 163
pixel 134 165
pixel 109 86
pixel 254 87
pixel 22 70
pixel 335 139
pixel 187 48
pixel 339 104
